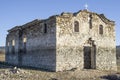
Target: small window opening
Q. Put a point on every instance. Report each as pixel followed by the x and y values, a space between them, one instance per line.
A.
pixel 90 21
pixel 101 29
pixel 13 46
pixel 24 40
pixel 24 44
pixel 8 47
pixel 76 26
pixel 8 44
pixel 45 28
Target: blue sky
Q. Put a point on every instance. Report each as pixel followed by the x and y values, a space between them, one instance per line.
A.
pixel 19 12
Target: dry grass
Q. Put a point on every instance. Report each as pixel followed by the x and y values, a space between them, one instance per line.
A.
pixel 67 75
pixel 2 56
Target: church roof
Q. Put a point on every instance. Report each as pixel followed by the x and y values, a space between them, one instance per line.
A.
pixel 101 16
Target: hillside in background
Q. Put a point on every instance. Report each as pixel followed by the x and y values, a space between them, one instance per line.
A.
pixel 2 49
pixel 2 53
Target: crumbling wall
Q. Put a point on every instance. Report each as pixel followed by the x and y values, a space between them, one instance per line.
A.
pixel 70 44
pixel 11 57
pixel 58 47
pixel 40 45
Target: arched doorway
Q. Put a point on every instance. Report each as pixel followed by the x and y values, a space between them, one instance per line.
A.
pixel 90 55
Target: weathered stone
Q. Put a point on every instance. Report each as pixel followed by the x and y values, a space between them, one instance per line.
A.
pixel 56 44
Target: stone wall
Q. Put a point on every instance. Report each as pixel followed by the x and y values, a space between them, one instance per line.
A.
pixel 11 57
pixel 40 45
pixel 70 44
pixel 59 47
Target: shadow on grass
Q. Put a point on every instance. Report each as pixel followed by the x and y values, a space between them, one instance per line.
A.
pixel 4 65
pixel 111 77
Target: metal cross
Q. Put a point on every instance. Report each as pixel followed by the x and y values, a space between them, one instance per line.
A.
pixel 86 6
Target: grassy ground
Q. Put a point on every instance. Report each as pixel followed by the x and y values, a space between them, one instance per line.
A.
pixel 29 74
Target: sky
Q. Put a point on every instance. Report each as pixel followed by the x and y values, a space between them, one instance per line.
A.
pixel 19 12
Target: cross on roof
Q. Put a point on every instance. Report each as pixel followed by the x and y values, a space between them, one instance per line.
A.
pixel 86 6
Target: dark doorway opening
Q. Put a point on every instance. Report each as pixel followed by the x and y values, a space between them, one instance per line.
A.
pixel 90 57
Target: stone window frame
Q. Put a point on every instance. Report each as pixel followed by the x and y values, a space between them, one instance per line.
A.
pixel 24 44
pixel 24 39
pixel 13 46
pixel 13 42
pixel 90 21
pixel 8 45
pixel 101 29
pixel 45 28
pixel 76 30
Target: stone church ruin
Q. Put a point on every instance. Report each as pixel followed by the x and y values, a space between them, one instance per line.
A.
pixel 83 40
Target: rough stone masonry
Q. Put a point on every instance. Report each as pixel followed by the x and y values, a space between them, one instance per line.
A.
pixel 82 40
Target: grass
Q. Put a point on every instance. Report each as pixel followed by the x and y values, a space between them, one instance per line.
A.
pixel 2 56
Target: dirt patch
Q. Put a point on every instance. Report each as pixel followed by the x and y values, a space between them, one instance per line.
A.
pixel 14 73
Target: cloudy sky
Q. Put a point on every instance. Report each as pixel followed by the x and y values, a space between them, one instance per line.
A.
pixel 19 12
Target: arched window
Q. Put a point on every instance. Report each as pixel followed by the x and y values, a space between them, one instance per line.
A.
pixel 101 29
pixel 8 44
pixel 90 21
pixel 76 26
pixel 24 39
pixel 13 46
pixel 13 42
pixel 45 28
pixel 24 44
